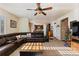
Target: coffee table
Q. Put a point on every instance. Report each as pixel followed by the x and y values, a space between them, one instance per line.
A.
pixel 31 49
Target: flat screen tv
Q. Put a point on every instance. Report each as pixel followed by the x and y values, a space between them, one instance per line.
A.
pixel 75 29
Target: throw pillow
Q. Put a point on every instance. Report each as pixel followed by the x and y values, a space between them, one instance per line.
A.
pixel 18 37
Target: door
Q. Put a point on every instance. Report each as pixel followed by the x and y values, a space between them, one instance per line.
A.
pixel 64 27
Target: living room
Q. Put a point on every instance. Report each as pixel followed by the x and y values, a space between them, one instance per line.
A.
pixel 24 24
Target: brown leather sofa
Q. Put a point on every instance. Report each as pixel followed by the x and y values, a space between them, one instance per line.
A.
pixel 35 37
pixel 8 43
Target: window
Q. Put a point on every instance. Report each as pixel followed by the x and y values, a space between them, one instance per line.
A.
pixel 1 25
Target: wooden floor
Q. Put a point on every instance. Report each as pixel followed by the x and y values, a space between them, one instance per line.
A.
pixel 52 48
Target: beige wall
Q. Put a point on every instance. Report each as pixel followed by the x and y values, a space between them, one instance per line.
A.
pixel 73 15
pixel 8 16
pixel 38 23
pixel 23 25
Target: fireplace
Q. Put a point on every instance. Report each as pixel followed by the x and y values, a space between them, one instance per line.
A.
pixel 38 28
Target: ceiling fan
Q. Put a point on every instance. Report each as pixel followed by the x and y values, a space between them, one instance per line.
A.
pixel 40 10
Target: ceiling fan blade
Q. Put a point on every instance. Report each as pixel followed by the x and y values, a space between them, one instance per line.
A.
pixel 49 8
pixel 30 9
pixel 44 13
pixel 38 4
pixel 35 14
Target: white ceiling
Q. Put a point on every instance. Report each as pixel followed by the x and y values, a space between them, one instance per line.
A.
pixel 19 9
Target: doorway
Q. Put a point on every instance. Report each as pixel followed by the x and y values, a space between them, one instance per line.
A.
pixel 64 27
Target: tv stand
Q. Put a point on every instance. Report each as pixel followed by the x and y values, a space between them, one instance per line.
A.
pixel 75 43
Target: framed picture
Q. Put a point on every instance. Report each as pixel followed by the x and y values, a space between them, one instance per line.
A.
pixel 38 28
pixel 13 24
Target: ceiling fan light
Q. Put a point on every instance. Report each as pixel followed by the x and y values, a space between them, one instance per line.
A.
pixel 39 12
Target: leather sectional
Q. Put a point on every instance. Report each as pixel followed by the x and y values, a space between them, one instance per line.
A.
pixel 35 37
pixel 9 42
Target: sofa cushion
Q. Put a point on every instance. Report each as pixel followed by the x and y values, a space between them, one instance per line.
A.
pixel 18 41
pixel 5 48
pixel 11 38
pixel 7 42
pixel 2 41
pixel 28 35
pixel 23 36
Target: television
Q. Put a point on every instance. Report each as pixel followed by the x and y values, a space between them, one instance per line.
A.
pixel 75 29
